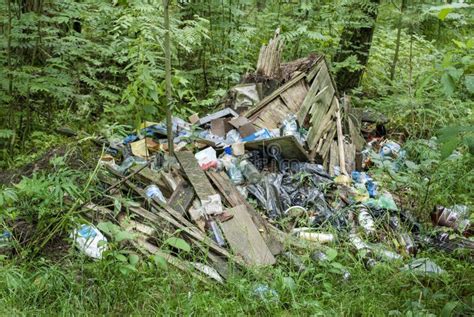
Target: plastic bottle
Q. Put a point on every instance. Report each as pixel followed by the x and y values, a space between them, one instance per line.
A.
pixel 366 221
pixel 250 172
pixel 408 243
pixel 216 233
pixel 234 172
pixel 152 191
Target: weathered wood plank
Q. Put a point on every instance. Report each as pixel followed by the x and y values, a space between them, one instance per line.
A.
pixel 234 199
pixel 317 66
pixel 293 97
pixel 333 157
pixel 349 155
pixel 274 95
pixel 181 198
pixel 317 130
pixel 195 174
pixel 245 239
pixel 324 152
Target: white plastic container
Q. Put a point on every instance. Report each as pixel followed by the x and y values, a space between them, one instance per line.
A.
pixel 87 239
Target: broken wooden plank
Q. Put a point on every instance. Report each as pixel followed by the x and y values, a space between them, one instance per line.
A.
pixel 181 198
pixel 315 69
pixel 234 199
pixel 318 127
pixel 340 139
pixel 293 97
pixel 325 148
pixel 315 94
pixel 245 239
pixel 274 95
pixel 195 174
pixel 333 158
pixel 273 114
pixel 349 155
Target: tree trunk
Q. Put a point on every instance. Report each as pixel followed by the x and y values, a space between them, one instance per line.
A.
pixel 397 45
pixel 356 40
pixel 169 124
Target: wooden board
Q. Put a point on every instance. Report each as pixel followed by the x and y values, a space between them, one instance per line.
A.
pixel 349 154
pixel 324 152
pixel 181 198
pixel 321 82
pixel 290 148
pixel 234 199
pixel 195 174
pixel 293 97
pixel 318 127
pixel 244 238
pixel 333 157
pixel 274 95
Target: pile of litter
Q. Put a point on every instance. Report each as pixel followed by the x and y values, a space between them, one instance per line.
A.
pixel 280 167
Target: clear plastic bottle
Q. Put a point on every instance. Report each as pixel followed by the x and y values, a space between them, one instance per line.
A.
pixel 366 221
pixel 250 172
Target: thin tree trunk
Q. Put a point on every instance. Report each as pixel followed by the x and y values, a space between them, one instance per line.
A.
pixel 9 48
pixel 410 65
pixel 397 46
pixel 355 40
pixel 169 124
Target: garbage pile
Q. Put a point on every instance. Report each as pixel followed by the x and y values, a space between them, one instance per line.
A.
pixel 281 164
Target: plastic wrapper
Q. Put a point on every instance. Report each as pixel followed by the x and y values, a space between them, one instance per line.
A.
pixel 208 135
pixel 456 217
pixel 233 136
pixel 289 126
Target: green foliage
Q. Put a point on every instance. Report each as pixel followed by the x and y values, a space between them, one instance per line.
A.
pixel 429 177
pixel 44 202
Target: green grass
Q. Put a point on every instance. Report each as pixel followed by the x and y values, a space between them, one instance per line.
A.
pixel 81 287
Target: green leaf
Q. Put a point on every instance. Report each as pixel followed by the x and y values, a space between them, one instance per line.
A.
pixel 133 259
pixel 289 283
pixel 455 73
pixel 159 261
pixel 469 82
pixel 154 96
pixel 331 254
pixel 123 235
pixel 178 243
pixel 448 84
pixel 120 257
pixel 448 309
pixel 443 13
